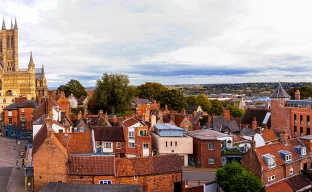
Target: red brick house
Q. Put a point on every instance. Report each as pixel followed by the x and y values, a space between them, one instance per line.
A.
pixel 138 141
pixel 141 105
pixel 64 103
pixel 279 162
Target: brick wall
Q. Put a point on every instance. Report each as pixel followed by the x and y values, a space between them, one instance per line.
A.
pixel 304 124
pixel 280 115
pixel 278 172
pixel 28 116
pixel 249 161
pixel 49 164
pixel 14 117
pixel 64 105
pixel 201 150
pixel 139 140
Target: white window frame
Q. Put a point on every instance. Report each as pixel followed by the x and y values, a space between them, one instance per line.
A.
pixel 291 171
pixel 272 162
pixel 107 145
pixel 130 145
pixel 23 117
pixel 212 147
pixel 10 113
pixel 9 121
pixel 271 178
pixel 144 131
pixel 105 182
pixel 148 105
pixel 303 151
pixel 210 162
pixel 131 134
pixel 118 145
pixel 145 145
pixel 135 177
pixel 23 109
pixel 288 157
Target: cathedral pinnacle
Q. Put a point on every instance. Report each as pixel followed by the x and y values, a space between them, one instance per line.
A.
pixel 3 25
pixel 15 24
pixel 11 24
pixel 31 61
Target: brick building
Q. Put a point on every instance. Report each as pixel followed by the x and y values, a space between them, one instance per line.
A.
pixel 17 119
pixel 279 162
pixel 63 103
pixel 141 105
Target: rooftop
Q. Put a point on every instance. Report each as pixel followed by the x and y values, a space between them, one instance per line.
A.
pixel 279 92
pixel 167 126
pixel 206 134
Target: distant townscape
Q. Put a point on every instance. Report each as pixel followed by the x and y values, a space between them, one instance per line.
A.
pixel 151 137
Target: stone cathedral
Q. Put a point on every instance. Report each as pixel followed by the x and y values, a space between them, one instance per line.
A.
pixel 29 82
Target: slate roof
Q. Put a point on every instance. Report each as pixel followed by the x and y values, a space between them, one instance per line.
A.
pixel 237 138
pixel 129 122
pixel 40 137
pixel 279 92
pixel 260 115
pixel 76 143
pixel 61 187
pixel 148 165
pixel 206 134
pixel 109 134
pixel 91 165
pixel 81 100
pixel 220 123
pixel 29 104
pixel 191 108
pixel 276 187
pixel 38 121
pixel 298 182
pixel 12 106
pixel 142 101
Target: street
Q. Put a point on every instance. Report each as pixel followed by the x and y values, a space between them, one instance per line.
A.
pixel 11 179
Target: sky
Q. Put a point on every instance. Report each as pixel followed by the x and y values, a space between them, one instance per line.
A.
pixel 165 41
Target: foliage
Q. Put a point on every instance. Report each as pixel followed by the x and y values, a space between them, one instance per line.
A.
pixel 204 102
pixel 112 92
pixel 174 99
pixel 75 111
pixel 192 100
pixel 305 92
pixel 203 120
pixel 235 111
pixel 73 87
pixel 125 113
pixel 151 90
pixel 234 178
pixel 216 107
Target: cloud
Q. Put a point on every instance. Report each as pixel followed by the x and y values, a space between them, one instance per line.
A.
pixel 172 42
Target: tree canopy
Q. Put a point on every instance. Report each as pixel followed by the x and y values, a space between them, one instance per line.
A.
pixel 174 99
pixel 234 178
pixel 235 111
pixel 151 90
pixel 192 100
pixel 113 93
pixel 305 92
pixel 73 87
pixel 204 102
pixel 216 107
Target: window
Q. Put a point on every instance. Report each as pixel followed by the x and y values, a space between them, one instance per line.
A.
pixel 107 145
pixel 176 143
pixel 131 145
pixel 210 146
pixel 148 105
pixel 271 178
pixel 10 113
pixel 4 100
pixel 23 109
pixel 170 143
pixel 303 151
pixel 210 160
pixel 139 106
pixel 291 171
pixel 198 159
pixel 301 119
pixel 142 132
pixel 308 120
pixel 131 134
pixel 308 131
pixel 271 162
pixel 295 118
pixel 166 144
pixel 10 121
pixel 118 145
pixel 145 145
pixel 105 182
pixel 301 131
pixel 60 131
pixel 136 177
pixel 295 130
pixel 23 117
pixel 288 157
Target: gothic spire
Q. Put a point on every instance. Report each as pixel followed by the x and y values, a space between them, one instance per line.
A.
pixel 11 24
pixel 15 24
pixel 3 24
pixel 42 71
pixel 31 61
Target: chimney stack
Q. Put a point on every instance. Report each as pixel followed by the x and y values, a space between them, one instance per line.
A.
pixel 253 142
pixel 254 124
pixel 297 95
pixel 227 114
pixel 284 138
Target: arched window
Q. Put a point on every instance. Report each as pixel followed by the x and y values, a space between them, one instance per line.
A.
pixel 4 101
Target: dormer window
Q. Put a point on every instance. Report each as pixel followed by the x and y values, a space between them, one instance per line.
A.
pixel 286 155
pixel 302 151
pixel 269 160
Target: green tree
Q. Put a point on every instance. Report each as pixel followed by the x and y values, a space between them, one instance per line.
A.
pixel 204 102
pixel 174 99
pixel 234 178
pixel 192 100
pixel 73 87
pixel 113 92
pixel 151 90
pixel 216 107
pixel 235 111
pixel 203 120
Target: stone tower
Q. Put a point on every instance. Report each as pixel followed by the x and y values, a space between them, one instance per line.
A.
pixel 9 47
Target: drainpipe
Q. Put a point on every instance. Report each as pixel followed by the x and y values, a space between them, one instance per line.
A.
pixel 93 142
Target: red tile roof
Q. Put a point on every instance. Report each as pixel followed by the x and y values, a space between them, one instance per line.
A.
pixel 274 149
pixel 76 143
pixel 91 165
pixel 238 139
pixel 269 135
pixel 40 137
pixel 148 165
pixel 279 186
pixel 129 122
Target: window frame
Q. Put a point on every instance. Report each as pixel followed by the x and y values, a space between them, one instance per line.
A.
pixel 213 148
pixel 10 113
pixel 291 171
pixel 118 145
pixel 145 145
pixel 130 145
pixel 105 144
pixel 271 178
pixel 143 131
pixel 105 182
pixel 211 162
